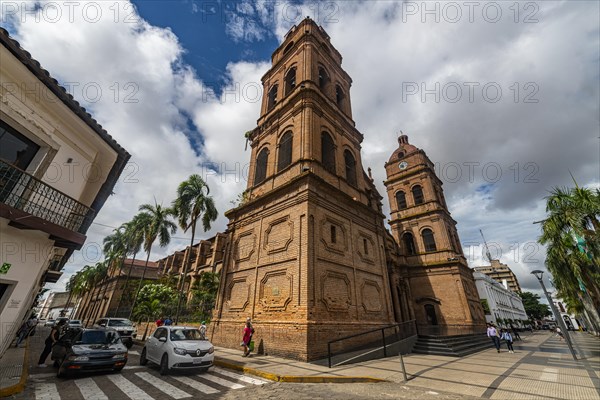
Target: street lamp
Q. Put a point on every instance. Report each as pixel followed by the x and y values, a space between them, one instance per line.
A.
pixel 539 274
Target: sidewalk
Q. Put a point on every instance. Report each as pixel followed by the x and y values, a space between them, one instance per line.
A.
pixel 540 368
pixel 14 370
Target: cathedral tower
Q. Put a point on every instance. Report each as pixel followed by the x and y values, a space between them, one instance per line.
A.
pixel 306 254
pixel 441 285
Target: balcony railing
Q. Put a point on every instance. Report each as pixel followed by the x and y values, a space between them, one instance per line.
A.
pixel 24 192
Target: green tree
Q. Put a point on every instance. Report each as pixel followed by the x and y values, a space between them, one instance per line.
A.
pixel 534 309
pixel 192 204
pixel 153 299
pixel 570 233
pixel 158 226
pixel 134 239
pixel 204 294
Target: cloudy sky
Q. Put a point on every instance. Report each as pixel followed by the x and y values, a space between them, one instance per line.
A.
pixel 503 97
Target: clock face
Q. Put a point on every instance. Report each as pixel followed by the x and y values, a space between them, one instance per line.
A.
pixel 403 165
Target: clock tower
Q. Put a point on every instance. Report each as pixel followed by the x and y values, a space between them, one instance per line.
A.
pixel 442 288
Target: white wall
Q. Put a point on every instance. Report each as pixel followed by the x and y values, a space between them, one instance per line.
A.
pixel 28 252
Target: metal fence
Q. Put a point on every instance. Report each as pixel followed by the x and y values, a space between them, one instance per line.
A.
pixel 374 339
pixel 24 192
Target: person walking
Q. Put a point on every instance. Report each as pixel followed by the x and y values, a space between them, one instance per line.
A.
pixel 50 340
pixel 515 333
pixel 560 334
pixel 160 322
pixel 492 333
pixel 247 337
pixel 508 339
pixel 168 321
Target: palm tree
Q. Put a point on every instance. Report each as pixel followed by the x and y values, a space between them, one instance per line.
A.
pixel 571 234
pixel 115 249
pixel 192 203
pixel 149 311
pixel 134 237
pixel 159 226
pixel 101 273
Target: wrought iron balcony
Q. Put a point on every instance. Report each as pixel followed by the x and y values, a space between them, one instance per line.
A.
pixel 34 198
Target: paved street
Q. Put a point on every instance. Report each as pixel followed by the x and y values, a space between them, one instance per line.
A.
pixel 540 368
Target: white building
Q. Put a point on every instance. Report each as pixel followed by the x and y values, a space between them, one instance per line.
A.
pixel 57 168
pixel 571 321
pixel 502 302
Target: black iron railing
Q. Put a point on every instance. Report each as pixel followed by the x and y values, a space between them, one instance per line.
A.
pixel 374 338
pixel 24 192
pixel 450 330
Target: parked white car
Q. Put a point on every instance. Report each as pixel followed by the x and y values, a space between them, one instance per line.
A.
pixel 178 347
pixel 75 323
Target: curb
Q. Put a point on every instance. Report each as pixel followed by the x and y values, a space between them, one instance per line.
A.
pixel 18 388
pixel 297 379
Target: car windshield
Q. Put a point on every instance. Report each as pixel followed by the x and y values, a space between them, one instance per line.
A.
pixel 98 337
pixel 185 334
pixel 120 322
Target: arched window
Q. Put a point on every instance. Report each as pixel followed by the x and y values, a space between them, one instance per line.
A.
pixel 339 95
pixel 290 81
pixel 285 151
pixel 401 154
pixel 323 78
pixel 409 244
pixel 272 99
pixel 417 193
pixel 260 171
pixel 328 152
pixel 350 167
pixel 428 240
pixel 400 200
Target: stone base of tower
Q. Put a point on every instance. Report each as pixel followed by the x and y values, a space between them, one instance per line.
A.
pixel 298 341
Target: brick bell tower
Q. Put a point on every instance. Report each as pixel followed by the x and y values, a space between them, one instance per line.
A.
pixel 306 256
pixel 441 284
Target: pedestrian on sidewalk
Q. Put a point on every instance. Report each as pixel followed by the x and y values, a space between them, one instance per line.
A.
pixel 492 333
pixel 160 322
pixel 560 334
pixel 50 340
pixel 515 333
pixel 508 339
pixel 168 321
pixel 247 337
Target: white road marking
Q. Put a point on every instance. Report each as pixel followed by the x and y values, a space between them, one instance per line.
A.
pixel 240 377
pixel 46 391
pixel 133 367
pixel 195 384
pixel 221 382
pixel 89 390
pixel 163 386
pixel 134 352
pixel 127 387
pixel 549 375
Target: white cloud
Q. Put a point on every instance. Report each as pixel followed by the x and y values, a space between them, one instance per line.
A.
pixel 386 47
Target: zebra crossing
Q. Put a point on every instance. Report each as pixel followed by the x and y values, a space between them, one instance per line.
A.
pixel 141 385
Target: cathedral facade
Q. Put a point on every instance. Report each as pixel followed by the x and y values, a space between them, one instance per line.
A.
pixel 308 256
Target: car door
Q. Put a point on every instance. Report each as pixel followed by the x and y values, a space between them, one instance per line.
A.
pixel 153 343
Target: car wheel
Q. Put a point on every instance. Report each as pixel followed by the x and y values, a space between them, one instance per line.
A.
pixel 164 365
pixel 56 364
pixel 143 359
pixel 129 344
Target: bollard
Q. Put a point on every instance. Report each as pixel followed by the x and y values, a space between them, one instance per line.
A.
pixel 403 368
